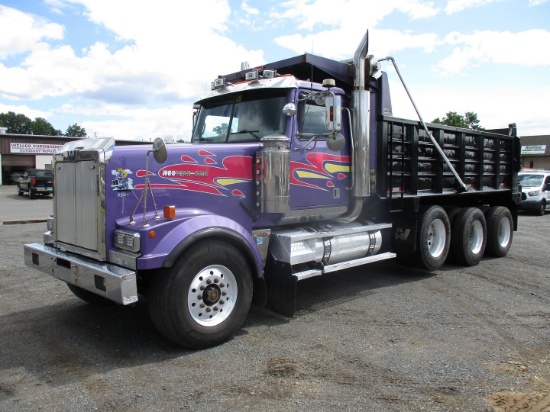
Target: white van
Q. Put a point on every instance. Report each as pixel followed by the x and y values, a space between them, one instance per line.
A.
pixel 535 188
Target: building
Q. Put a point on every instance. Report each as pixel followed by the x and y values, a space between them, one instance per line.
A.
pixel 22 151
pixel 535 152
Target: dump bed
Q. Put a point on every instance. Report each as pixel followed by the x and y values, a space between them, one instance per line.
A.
pixel 408 163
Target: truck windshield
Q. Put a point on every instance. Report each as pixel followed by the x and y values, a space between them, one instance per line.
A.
pixel 241 118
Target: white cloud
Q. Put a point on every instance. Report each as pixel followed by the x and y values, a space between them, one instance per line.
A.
pixel 455 6
pixel 381 42
pixel 21 32
pixel 521 49
pixel 316 14
pixel 534 3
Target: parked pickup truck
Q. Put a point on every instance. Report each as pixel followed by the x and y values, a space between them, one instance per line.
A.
pixel 35 182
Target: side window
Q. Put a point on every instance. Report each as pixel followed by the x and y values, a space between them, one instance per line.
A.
pixel 311 119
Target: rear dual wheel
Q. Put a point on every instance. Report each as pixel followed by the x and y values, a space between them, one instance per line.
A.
pixel 500 229
pixel 434 233
pixel 469 236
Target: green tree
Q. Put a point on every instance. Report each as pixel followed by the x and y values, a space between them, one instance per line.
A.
pixel 42 127
pixel 16 123
pixel 469 120
pixel 221 130
pixel 75 131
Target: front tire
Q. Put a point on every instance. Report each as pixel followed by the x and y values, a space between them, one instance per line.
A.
pixel 31 194
pixel 204 298
pixel 499 231
pixel 434 234
pixel 541 209
pixel 19 191
pixel 469 236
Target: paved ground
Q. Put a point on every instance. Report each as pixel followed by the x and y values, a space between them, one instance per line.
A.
pixel 21 209
pixel 377 338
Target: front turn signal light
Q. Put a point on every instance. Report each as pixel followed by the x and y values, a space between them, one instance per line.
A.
pixel 170 212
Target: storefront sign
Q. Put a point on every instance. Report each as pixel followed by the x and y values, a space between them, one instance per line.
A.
pixel 535 149
pixel 34 148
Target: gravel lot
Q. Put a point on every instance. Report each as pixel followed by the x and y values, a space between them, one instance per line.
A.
pixel 377 338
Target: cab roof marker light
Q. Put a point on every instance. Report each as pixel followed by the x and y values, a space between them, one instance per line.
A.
pixel 269 74
pixel 253 75
pixel 218 84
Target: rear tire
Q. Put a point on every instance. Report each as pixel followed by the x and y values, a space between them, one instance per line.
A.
pixel 31 194
pixel 469 236
pixel 19 191
pixel 433 242
pixel 500 231
pixel 204 298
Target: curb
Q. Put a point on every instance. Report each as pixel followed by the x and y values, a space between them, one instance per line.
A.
pixel 22 222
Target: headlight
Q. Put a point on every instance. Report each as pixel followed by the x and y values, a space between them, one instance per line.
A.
pixel 534 193
pixel 127 241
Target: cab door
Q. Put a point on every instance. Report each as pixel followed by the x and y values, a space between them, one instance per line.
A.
pixel 319 177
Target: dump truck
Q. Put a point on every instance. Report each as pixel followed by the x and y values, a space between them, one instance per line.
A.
pixel 295 169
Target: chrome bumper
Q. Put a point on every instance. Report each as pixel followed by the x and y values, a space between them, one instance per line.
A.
pixel 112 282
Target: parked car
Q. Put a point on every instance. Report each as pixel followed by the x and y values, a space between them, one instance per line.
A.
pixel 35 181
pixel 535 188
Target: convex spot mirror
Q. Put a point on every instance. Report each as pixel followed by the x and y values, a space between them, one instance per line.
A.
pixel 336 142
pixel 289 109
pixel 159 150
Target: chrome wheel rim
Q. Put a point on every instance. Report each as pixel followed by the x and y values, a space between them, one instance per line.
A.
pixel 504 232
pixel 476 237
pixel 212 295
pixel 436 238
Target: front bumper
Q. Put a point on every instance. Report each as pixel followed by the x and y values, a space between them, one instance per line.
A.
pixel 530 204
pixel 110 281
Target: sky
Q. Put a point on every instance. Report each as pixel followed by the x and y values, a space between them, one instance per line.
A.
pixel 131 69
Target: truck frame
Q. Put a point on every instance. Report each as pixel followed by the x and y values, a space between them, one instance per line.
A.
pixel 295 169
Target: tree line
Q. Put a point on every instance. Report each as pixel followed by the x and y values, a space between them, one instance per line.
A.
pixel 21 124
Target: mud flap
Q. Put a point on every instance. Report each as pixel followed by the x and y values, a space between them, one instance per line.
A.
pixel 281 287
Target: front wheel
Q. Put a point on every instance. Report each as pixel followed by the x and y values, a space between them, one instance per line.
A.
pixel 19 191
pixel 541 210
pixel 434 234
pixel 204 298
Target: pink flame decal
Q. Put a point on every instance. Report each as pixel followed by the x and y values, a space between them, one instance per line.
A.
pixel 316 165
pixel 188 159
pixel 206 178
pixel 203 153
